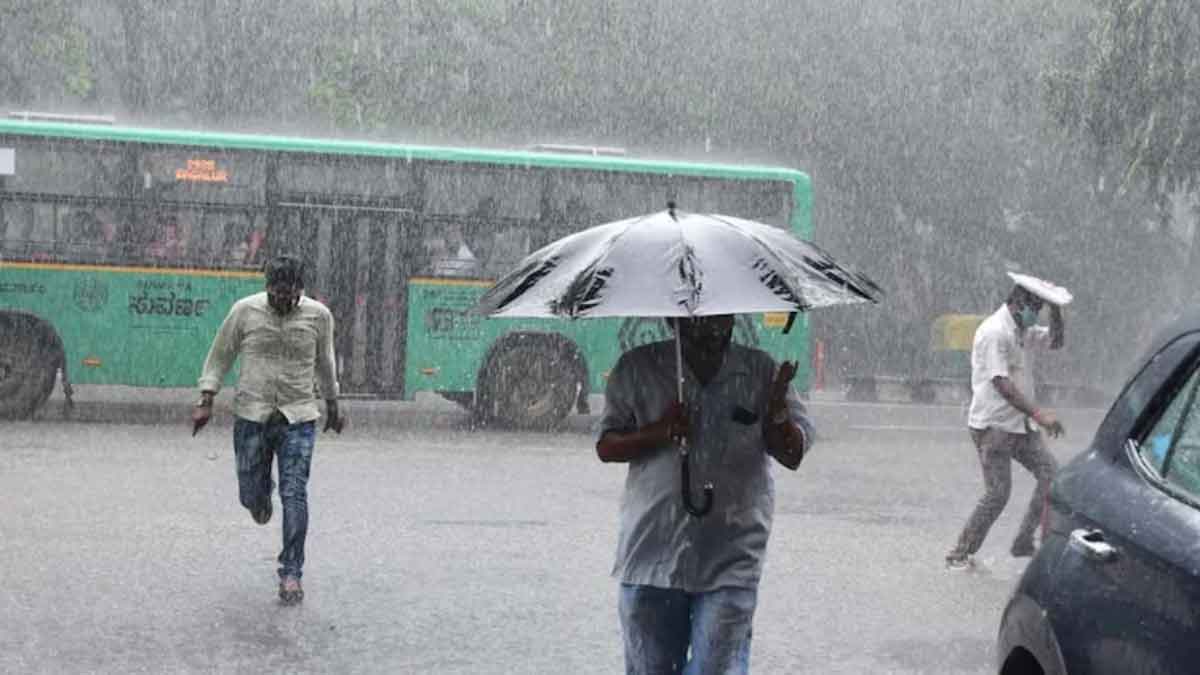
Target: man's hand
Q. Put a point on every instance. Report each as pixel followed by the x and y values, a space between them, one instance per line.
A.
pixel 1047 420
pixel 626 446
pixel 671 426
pixel 780 386
pixel 202 412
pixel 333 419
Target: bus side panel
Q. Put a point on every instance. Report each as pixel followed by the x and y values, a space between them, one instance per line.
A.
pixel 447 342
pixel 127 326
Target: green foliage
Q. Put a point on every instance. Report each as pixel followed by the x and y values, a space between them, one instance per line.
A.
pixel 1135 95
pixel 44 52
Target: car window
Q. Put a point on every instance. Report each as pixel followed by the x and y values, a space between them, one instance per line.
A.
pixel 1146 383
pixel 1144 398
pixel 1172 445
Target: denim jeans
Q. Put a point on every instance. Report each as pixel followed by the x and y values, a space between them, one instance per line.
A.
pixel 660 624
pixel 254 444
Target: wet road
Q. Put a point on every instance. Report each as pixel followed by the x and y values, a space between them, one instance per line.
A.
pixel 439 550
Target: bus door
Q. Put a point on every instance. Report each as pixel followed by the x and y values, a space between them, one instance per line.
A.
pixel 358 258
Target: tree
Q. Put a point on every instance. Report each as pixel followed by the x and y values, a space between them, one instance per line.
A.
pixel 1134 98
pixel 45 56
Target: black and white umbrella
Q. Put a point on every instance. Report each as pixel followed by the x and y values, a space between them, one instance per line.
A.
pixel 673 263
pixel 676 264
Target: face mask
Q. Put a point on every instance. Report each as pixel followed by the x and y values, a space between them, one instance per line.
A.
pixel 1029 316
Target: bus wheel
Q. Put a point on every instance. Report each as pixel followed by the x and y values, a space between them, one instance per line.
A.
pixel 28 364
pixel 530 383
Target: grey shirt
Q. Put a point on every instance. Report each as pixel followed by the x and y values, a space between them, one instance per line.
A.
pixel 661 544
pixel 283 357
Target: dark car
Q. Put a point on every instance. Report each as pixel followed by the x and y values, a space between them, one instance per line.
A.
pixel 1115 586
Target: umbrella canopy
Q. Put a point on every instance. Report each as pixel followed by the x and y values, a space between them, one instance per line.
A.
pixel 673 263
pixel 676 264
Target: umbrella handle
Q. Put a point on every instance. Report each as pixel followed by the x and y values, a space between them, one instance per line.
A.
pixel 685 474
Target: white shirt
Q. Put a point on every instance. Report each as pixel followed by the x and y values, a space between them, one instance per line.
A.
pixel 999 350
pixel 283 357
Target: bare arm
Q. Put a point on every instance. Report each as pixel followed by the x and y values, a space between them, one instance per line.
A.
pixel 1010 392
pixel 626 446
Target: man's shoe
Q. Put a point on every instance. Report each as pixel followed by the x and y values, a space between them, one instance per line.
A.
pixel 290 591
pixel 1023 549
pixel 262 516
pixel 959 563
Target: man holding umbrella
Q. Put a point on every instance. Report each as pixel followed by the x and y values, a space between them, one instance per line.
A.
pixel 689 571
pixel 1003 420
pixel 688 580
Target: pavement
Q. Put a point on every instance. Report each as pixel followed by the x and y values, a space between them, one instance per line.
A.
pixel 833 415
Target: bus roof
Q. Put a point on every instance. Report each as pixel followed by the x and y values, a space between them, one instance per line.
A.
pixel 408 152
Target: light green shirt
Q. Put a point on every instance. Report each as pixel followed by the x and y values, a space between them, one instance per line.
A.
pixel 283 357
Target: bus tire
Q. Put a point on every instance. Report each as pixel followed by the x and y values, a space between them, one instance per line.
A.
pixel 30 357
pixel 530 381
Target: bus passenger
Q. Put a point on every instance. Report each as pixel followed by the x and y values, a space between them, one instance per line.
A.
pixel 450 255
pixel 167 246
pixel 245 252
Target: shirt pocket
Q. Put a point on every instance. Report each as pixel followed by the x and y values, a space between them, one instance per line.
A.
pixel 301 341
pixel 742 436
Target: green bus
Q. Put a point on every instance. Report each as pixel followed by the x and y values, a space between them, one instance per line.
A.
pixel 122 249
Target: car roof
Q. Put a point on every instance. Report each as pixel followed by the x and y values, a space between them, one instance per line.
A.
pixel 1186 321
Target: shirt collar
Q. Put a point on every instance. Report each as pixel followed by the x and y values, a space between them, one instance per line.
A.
pixel 1010 324
pixel 1007 317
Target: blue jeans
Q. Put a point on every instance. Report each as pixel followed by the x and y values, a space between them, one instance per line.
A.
pixel 253 445
pixel 660 624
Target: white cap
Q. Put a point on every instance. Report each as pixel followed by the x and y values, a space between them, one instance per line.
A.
pixel 1051 293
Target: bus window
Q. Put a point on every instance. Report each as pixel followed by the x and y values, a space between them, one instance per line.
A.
pixel 242 240
pixel 687 193
pixel 765 202
pixel 361 179
pixel 580 200
pixel 169 236
pixel 14 218
pixel 65 168
pixel 30 230
pixel 88 233
pixel 448 251
pixel 482 193
pixel 587 199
